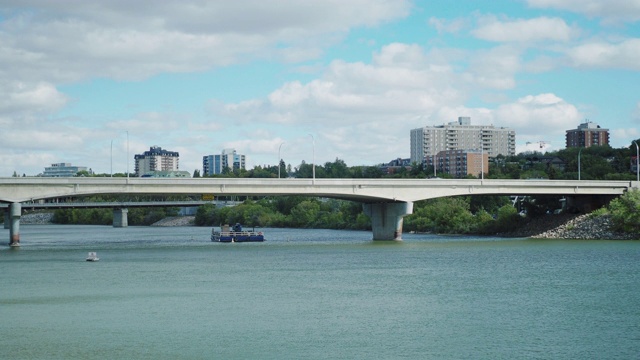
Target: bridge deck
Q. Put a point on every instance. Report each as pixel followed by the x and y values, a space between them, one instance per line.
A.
pixel 364 190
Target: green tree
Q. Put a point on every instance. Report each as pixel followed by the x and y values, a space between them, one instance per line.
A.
pixel 443 215
pixel 625 212
pixel 304 213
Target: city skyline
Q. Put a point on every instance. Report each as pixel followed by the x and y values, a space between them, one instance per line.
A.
pixel 93 82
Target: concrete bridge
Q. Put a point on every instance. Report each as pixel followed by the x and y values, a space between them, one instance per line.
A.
pixel 386 201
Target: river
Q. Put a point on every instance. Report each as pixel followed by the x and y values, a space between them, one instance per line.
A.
pixel 170 293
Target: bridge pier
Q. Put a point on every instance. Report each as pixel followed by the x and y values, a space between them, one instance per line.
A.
pixel 120 217
pixel 386 219
pixel 7 219
pixel 15 211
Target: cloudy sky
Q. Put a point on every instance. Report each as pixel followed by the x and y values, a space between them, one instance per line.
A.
pixel 80 80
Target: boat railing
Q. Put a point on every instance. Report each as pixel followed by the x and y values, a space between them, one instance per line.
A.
pixel 236 233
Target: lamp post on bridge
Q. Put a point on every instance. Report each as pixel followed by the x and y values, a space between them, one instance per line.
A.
pixel 111 168
pixel 434 165
pixel 279 159
pixel 313 159
pixel 481 156
pixel 637 161
pixel 127 131
pixel 579 152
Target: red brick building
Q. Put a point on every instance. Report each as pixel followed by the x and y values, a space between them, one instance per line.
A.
pixel 586 135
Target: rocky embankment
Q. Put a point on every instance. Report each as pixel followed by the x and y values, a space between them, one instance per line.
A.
pixel 176 221
pixel 568 226
pixel 36 218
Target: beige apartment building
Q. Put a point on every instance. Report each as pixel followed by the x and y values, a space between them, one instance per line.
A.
pixel 428 141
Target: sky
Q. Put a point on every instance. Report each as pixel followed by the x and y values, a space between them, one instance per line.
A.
pixel 93 83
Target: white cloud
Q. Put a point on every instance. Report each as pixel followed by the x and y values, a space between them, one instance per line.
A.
pixel 609 10
pixel 623 55
pixel 78 39
pixel 360 112
pixel 524 30
pixel 45 45
pixel 495 68
pixel 447 26
pixel 400 80
pixel 29 99
pixel 543 115
pixel 625 136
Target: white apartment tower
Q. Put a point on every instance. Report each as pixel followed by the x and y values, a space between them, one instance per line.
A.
pixel 461 135
pixel 156 159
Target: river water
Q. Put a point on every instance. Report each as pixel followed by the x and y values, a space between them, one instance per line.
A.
pixel 170 293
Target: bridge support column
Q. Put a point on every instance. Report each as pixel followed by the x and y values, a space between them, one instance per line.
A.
pixel 7 219
pixel 120 218
pixel 15 211
pixel 386 219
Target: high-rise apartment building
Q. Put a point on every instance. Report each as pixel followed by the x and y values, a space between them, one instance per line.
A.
pixel 215 164
pixel 156 159
pixel 587 134
pixel 461 135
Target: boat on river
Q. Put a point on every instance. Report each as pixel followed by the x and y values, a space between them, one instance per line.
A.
pixel 92 256
pixel 236 234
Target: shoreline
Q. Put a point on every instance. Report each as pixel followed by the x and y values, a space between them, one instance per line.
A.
pixel 563 226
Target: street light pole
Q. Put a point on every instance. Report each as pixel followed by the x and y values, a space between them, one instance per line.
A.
pixel 313 144
pixel 279 159
pixel 127 154
pixel 579 152
pixel 481 157
pixel 637 161
pixel 434 165
pixel 111 158
pixel 482 161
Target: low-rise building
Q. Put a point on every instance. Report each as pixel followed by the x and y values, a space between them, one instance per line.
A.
pixel 64 170
pixel 460 163
pixel 396 165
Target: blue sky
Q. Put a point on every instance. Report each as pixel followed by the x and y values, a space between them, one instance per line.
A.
pixel 327 79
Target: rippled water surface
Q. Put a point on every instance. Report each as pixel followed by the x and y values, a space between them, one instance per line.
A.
pixel 170 293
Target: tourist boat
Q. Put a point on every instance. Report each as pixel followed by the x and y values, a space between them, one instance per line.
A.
pixel 93 256
pixel 236 234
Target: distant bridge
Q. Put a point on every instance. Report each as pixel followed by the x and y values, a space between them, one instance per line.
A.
pixel 107 204
pixel 386 201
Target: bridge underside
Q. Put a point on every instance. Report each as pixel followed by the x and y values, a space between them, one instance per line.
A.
pixel 13 214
